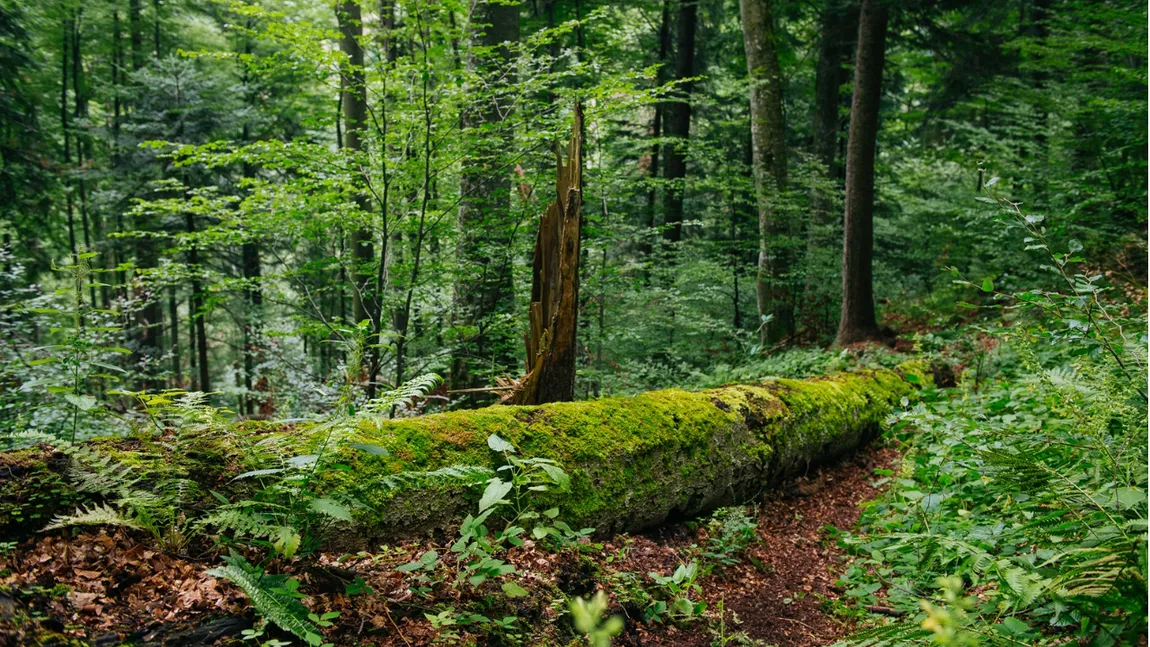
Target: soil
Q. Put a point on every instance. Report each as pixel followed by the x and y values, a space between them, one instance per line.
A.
pixel 108 587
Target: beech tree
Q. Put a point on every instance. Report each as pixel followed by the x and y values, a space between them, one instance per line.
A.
pixel 769 162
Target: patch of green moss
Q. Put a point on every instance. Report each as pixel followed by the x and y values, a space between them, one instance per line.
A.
pixel 32 491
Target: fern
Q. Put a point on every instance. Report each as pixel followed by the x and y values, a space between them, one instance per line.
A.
pixel 270 597
pixel 96 515
pixel 402 395
pixel 461 474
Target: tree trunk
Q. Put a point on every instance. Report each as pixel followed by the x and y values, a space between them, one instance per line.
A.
pixel 769 164
pixel 655 133
pixel 136 33
pixel 354 101
pixel 199 315
pixel 156 28
pixel 857 319
pixel 483 287
pixel 678 124
pixel 174 317
pixel 83 146
pixel 554 312
pixel 839 30
pixel 67 139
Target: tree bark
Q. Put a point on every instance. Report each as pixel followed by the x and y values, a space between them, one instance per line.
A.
pixel 484 285
pixel 857 319
pixel 354 101
pixel 199 314
pixel 678 122
pixel 839 30
pixel 136 33
pixel 83 145
pixel 634 462
pixel 656 132
pixel 769 164
pixel 554 311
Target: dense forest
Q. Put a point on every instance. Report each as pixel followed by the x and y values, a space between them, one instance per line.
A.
pixel 496 322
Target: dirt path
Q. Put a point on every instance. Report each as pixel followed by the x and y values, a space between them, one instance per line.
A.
pixel 104 587
pixel 778 594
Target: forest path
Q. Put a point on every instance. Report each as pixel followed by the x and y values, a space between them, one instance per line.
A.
pixel 784 584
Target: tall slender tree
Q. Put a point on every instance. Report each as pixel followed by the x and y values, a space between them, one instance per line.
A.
pixel 354 102
pixel 678 121
pixel 656 131
pixel 769 163
pixel 857 318
pixel 836 39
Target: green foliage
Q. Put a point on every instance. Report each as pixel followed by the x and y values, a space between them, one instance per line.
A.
pixel 587 616
pixel 288 508
pixel 677 592
pixel 275 597
pixel 731 531
pixel 1029 487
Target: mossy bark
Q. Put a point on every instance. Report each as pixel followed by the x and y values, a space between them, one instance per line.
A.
pixel 634 462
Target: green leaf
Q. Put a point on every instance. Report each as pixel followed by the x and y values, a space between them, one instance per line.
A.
pixel 331 508
pixel 287 541
pixel 285 611
pixel 494 493
pixel 498 444
pixel 987 285
pixel 374 450
pixel 513 590
pixel 558 476
pixel 82 402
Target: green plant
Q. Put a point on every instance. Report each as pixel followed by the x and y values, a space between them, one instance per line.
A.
pixel 510 492
pixel 1030 486
pixel 679 589
pixel 83 350
pixel 289 512
pixel 731 531
pixel 276 598
pixel 587 616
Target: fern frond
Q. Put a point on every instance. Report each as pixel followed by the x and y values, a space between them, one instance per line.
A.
pixel 239 520
pixel 460 474
pixel 889 635
pixel 402 394
pixel 97 515
pixel 287 612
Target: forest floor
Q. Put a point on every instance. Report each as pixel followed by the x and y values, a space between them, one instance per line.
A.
pixel 108 588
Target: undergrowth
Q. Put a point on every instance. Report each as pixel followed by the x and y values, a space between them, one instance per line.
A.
pixel 1019 514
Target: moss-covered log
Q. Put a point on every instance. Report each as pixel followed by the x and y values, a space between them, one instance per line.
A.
pixel 635 462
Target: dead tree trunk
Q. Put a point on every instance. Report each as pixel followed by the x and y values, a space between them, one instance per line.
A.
pixel 554 309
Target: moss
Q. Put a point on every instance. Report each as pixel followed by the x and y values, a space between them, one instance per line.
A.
pixel 32 491
pixel 635 462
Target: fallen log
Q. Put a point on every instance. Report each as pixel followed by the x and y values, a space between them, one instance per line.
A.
pixel 634 462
